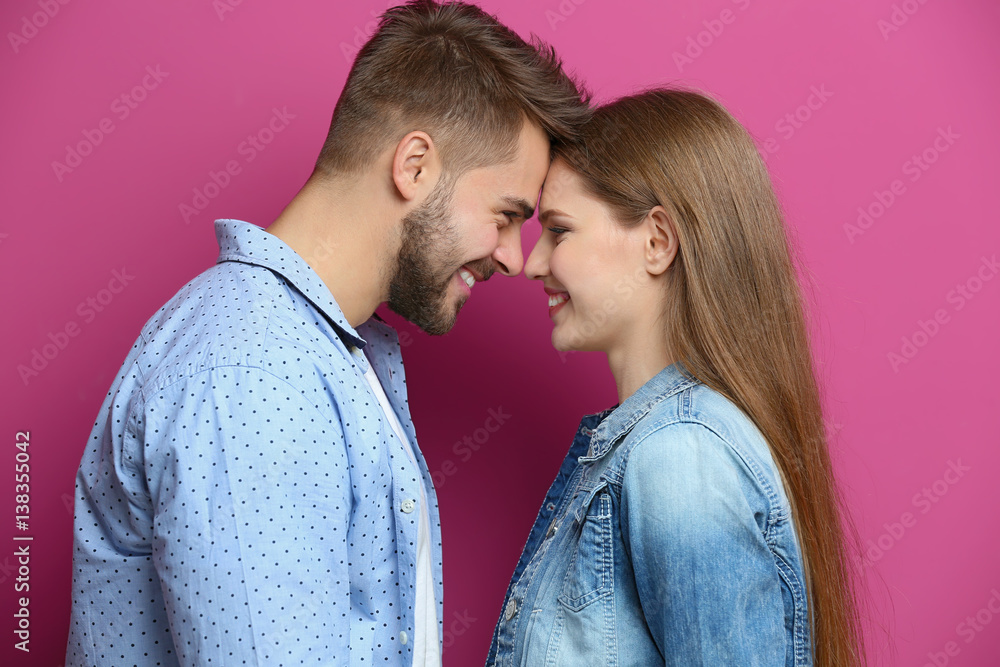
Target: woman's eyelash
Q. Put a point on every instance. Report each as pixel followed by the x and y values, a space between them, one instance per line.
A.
pixel 557 230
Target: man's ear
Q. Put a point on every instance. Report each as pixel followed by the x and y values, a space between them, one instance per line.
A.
pixel 661 242
pixel 415 165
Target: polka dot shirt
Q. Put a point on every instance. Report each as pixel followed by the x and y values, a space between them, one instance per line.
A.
pixel 242 500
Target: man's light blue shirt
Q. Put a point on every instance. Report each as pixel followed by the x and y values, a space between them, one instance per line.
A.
pixel 242 500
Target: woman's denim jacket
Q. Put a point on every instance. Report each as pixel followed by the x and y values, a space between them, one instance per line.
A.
pixel 666 538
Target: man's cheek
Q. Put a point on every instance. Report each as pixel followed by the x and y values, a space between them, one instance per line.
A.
pixel 482 245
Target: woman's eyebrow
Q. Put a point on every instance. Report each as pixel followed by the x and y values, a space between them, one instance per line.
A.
pixel 544 215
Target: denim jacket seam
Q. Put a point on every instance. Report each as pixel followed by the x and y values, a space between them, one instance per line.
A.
pixel 610 613
pixel 799 636
pixel 551 654
pixel 686 402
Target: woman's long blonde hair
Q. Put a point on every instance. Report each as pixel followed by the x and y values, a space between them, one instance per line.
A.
pixel 734 312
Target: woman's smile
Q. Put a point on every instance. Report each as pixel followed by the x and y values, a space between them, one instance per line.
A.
pixel 557 299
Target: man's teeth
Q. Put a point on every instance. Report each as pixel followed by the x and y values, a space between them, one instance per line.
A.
pixel 556 299
pixel 469 279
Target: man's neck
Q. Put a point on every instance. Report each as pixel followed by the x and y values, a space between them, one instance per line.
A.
pixel 343 232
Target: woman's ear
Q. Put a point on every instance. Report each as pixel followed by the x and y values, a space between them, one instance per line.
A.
pixel 415 165
pixel 661 242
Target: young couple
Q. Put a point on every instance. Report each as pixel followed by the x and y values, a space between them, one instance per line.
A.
pixel 253 492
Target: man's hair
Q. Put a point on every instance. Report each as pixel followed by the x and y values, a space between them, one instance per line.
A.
pixel 457 73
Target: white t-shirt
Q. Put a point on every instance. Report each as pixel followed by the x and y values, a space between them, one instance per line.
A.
pixel 426 651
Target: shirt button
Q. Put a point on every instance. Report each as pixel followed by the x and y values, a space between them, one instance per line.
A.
pixel 511 609
pixel 407 507
pixel 402 637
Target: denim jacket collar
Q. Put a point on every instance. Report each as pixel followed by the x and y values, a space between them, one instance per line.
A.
pixel 623 417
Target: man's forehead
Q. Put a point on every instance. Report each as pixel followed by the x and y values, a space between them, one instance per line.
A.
pixel 516 186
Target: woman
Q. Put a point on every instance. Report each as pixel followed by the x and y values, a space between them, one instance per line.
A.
pixel 697 522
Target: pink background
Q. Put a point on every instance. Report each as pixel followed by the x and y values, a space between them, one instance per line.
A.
pixel 885 96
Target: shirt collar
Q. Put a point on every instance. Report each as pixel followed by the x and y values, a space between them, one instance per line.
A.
pixel 244 242
pixel 669 381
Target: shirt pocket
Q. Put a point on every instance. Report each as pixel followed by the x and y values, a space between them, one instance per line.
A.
pixel 590 575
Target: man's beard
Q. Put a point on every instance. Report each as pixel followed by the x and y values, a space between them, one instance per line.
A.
pixel 418 289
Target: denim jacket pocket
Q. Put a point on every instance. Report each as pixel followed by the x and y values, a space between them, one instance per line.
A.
pixel 590 575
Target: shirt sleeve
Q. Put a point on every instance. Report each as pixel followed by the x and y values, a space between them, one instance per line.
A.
pixel 706 579
pixel 250 499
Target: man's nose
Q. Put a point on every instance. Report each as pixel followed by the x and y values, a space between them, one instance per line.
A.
pixel 507 256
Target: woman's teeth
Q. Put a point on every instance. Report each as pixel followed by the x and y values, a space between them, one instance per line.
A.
pixel 556 299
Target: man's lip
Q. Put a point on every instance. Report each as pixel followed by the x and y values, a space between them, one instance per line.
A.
pixel 475 274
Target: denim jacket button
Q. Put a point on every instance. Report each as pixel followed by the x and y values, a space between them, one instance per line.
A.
pixel 407 505
pixel 511 609
pixel 553 529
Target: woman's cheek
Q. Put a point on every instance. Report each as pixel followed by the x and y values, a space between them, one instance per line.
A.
pixel 557 266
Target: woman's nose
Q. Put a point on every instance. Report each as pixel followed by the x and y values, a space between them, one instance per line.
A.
pixel 537 266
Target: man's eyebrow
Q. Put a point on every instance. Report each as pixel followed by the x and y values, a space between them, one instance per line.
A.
pixel 527 210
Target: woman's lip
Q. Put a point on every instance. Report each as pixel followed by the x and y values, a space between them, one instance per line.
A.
pixel 553 308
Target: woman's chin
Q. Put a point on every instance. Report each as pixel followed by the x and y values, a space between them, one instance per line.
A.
pixel 559 343
pixel 564 343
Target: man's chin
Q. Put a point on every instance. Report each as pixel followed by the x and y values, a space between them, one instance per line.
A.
pixel 437 324
pixel 445 321
pixel 437 327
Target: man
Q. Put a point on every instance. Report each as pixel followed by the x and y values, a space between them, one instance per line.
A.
pixel 252 492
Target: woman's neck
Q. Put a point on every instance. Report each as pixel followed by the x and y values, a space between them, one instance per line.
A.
pixel 634 363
